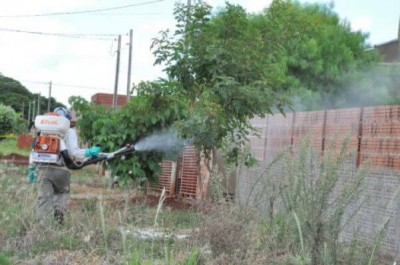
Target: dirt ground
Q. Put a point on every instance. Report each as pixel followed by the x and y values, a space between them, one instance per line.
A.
pixel 116 198
pixel 15 159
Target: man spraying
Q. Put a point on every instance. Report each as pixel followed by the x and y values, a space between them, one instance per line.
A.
pixel 55 137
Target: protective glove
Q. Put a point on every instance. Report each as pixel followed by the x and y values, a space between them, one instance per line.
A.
pixel 93 151
pixel 32 174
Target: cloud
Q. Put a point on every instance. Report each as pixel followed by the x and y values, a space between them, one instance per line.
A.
pixel 83 62
pixel 362 23
pixel 25 7
pixel 249 5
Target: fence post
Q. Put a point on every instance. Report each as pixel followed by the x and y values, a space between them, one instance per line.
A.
pixel 360 129
pixel 292 133
pixel 323 133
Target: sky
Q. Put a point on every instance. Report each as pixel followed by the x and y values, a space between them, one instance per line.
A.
pixel 85 66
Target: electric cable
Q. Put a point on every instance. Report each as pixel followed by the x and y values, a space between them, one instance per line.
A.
pixel 64 85
pixel 81 12
pixel 126 14
pixel 65 35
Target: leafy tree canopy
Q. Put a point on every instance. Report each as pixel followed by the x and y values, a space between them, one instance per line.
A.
pixel 321 53
pixel 225 68
pixel 8 119
pixel 14 94
pixel 150 111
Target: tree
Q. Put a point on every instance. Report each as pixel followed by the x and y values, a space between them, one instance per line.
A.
pixel 14 94
pixel 321 53
pixel 150 111
pixel 222 69
pixel 8 119
pixel 227 67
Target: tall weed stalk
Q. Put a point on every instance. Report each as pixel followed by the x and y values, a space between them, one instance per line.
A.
pixel 316 191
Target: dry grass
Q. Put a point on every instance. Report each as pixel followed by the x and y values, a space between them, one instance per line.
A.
pixel 102 227
pixel 93 231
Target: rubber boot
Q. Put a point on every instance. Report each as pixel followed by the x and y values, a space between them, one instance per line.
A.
pixel 59 216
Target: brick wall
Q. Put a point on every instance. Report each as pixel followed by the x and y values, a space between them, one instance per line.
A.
pixel 182 177
pixel 107 99
pixel 373 136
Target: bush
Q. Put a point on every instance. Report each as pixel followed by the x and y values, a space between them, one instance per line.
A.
pixel 307 201
pixel 8 119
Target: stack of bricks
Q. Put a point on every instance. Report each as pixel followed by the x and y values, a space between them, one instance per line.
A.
pixel 189 173
pixel 167 178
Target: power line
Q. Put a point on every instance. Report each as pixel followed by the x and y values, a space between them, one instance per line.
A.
pixel 64 85
pixel 64 35
pixel 127 14
pixel 79 86
pixel 81 12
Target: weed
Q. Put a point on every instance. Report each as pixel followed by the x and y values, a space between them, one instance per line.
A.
pixel 194 257
pixel 4 260
pixel 9 146
pixel 298 221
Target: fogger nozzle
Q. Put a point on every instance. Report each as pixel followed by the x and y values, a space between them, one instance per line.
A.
pixel 103 157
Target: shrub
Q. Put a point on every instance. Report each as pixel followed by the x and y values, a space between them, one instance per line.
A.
pixel 8 119
pixel 306 199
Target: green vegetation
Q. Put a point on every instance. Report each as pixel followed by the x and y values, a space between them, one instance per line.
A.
pixel 119 227
pixel 225 68
pixel 97 230
pixel 14 94
pixel 9 146
pixel 8 119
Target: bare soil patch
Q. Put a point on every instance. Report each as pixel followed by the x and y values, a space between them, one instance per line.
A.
pixel 16 159
pixel 116 198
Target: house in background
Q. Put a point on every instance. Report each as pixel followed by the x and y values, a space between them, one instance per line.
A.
pixel 390 51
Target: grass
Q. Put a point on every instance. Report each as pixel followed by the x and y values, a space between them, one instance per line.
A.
pixel 105 231
pixel 9 146
pixel 92 231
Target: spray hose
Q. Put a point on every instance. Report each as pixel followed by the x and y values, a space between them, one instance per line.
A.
pixel 69 163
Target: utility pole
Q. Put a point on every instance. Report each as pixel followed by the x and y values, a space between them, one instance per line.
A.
pixel 33 109
pixel 23 110
pixel 38 105
pixel 49 100
pixel 115 99
pixel 128 85
pixel 29 112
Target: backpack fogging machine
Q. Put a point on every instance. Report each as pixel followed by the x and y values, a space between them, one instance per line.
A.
pixel 49 147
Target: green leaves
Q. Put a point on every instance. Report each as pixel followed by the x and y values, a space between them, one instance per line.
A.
pixel 152 110
pixel 222 72
pixel 8 119
pixel 223 69
pixel 321 53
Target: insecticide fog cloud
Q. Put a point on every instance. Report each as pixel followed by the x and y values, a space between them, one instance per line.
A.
pixel 165 141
